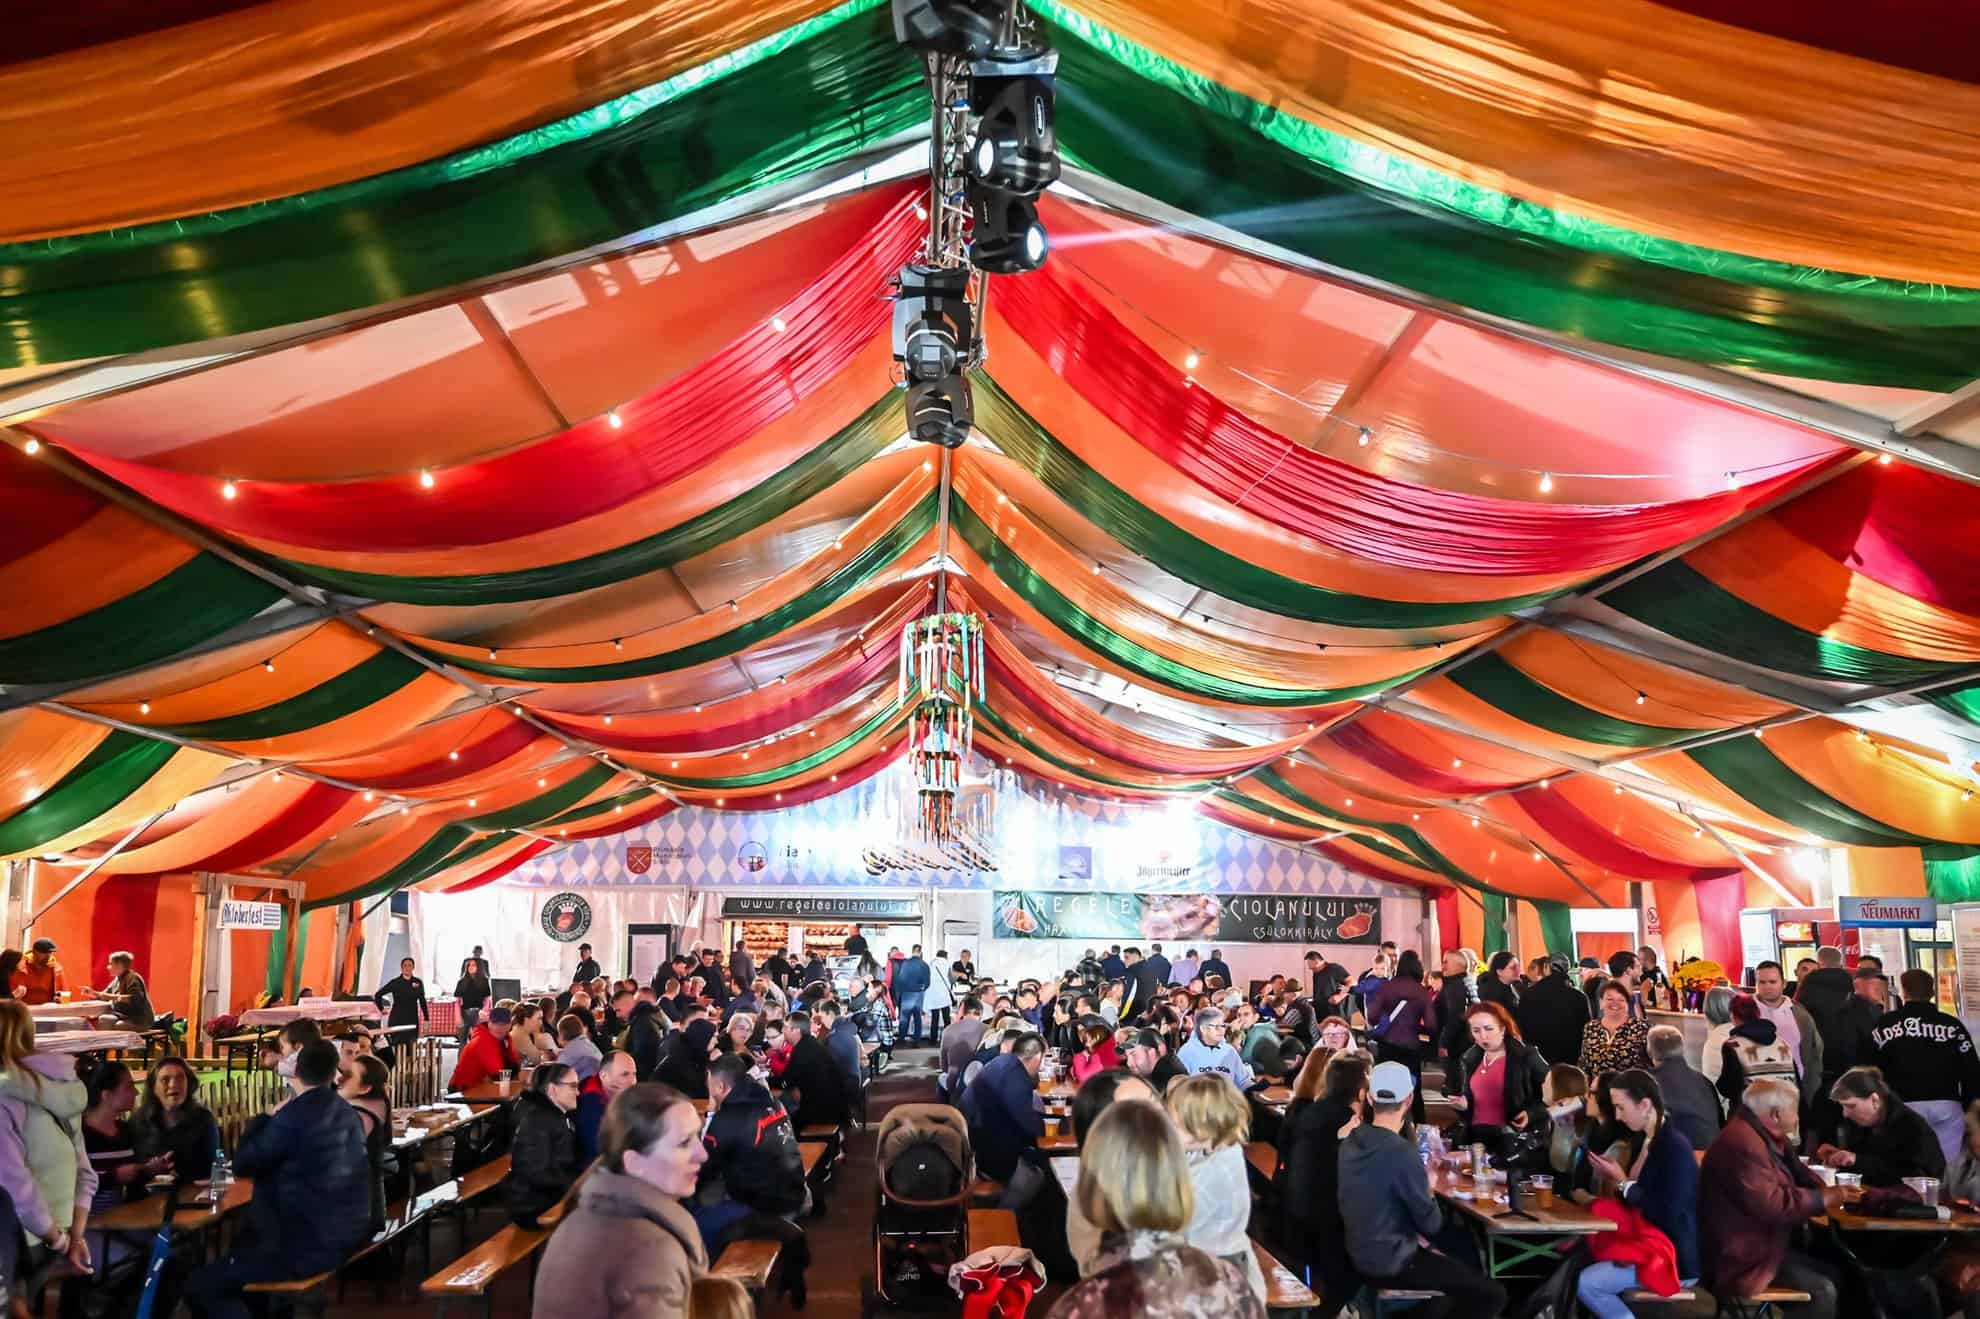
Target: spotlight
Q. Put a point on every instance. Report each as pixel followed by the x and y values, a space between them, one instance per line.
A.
pixel 948 27
pixel 933 325
pixel 1017 141
pixel 1008 240
pixel 940 411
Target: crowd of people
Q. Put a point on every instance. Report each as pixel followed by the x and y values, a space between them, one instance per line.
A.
pixel 1817 1094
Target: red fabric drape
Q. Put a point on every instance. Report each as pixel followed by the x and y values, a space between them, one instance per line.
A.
pixel 1449 937
pixel 501 868
pixel 593 467
pixel 1890 524
pixel 483 753
pixel 42 505
pixel 1336 503
pixel 1719 901
pixel 1363 741
pixel 304 816
pixel 1564 820
pixel 1361 865
pixel 1930 36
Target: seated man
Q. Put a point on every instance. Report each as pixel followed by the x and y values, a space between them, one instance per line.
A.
pixel 575 1049
pixel 616 1074
pixel 814 1077
pixel 754 1164
pixel 1753 1192
pixel 129 1000
pixel 842 1042
pixel 312 1190
pixel 1209 1050
pixel 1147 1056
pixel 1390 1213
pixel 488 1053
pixel 1005 1123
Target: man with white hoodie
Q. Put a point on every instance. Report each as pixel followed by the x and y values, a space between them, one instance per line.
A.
pixel 1206 1050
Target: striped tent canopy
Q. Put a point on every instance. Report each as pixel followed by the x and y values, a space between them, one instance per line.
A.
pixel 437 433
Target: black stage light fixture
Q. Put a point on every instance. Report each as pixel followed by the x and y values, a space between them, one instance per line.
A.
pixel 933 324
pixel 1016 148
pixel 948 27
pixel 940 411
pixel 1007 238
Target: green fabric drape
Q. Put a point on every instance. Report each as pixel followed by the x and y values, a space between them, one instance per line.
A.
pixel 1198 562
pixel 1504 687
pixel 1421 849
pixel 1143 121
pixel 855 573
pixel 273 982
pixel 365 683
pixel 1678 600
pixel 545 804
pixel 1010 733
pixel 1952 872
pixel 1495 940
pixel 634 797
pixel 1749 768
pixel 117 767
pixel 198 600
pixel 1961 701
pixel 1069 618
pixel 771 111
pixel 1556 927
pixel 816 471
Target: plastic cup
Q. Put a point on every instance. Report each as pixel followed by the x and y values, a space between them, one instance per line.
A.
pixel 1542 1190
pixel 1851 1180
pixel 1926 1187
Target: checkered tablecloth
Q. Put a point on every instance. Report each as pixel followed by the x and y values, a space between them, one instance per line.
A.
pixel 443 1017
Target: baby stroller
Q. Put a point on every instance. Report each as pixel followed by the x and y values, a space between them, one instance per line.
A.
pixel 921 1225
pixel 875 1024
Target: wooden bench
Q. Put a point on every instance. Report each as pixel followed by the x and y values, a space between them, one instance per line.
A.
pixel 469 1278
pixel 750 1262
pixel 1283 1288
pixel 248 1042
pixel 298 1295
pixel 1761 1303
pixel 1263 1158
pixel 1388 1300
pixel 985 1193
pixel 992 1227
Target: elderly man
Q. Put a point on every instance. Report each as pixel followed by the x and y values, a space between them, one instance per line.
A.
pixel 1209 1050
pixel 1753 1193
pixel 38 979
pixel 1690 1100
pixel 616 1074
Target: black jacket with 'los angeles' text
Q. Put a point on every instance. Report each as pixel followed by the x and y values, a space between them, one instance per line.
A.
pixel 1925 1054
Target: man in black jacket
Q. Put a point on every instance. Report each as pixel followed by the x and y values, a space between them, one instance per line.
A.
pixel 646 1030
pixel 814 1076
pixel 1553 1014
pixel 1454 999
pixel 777 970
pixel 1144 986
pixel 754 1164
pixel 312 1190
pixel 1824 993
pixel 1158 964
pixel 587 967
pixel 1928 1058
pixel 1215 965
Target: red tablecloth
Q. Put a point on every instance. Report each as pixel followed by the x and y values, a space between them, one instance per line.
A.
pixel 443 1017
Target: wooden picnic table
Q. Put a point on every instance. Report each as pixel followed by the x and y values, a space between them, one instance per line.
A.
pixel 1513 1238
pixel 462 1115
pixel 194 1214
pixel 493 1092
pixel 315 1010
pixel 87 1041
pixel 1849 1220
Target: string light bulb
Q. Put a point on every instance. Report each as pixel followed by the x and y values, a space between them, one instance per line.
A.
pixel 425 479
pixel 1361 440
pixel 777 324
pixel 268 666
pixel 618 644
pixel 370 796
pixel 1456 763
pixel 453 755
pixel 1732 481
pixel 613 419
pixel 608 721
pixel 228 490
pixel 1190 361
pixel 144 707
pixel 1546 483
pixel 1884 460
pixel 32 447
pixel 1641 698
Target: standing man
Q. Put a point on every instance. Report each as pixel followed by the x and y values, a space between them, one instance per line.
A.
pixel 1143 985
pixel 587 967
pixel 39 977
pixel 1454 1000
pixel 1553 1014
pixel 1111 966
pixel 1158 964
pixel 1187 969
pixel 910 992
pixel 963 974
pixel 777 970
pixel 1214 965
pixel 1928 1058
pixel 741 965
pixel 1623 966
pixel 1824 993
pixel 1653 974
pixel 1793 1026
pixel 1394 1227
pixel 941 998
pixel 1328 982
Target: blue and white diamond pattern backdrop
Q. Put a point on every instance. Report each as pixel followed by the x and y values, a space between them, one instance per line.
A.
pixel 1045 839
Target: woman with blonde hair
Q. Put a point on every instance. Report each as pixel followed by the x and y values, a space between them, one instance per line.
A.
pixel 1215 1122
pixel 46 1181
pixel 1134 1185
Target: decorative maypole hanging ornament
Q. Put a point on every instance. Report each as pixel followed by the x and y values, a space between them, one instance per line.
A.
pixel 941 678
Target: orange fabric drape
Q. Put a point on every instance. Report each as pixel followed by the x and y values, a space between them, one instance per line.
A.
pixel 286 96
pixel 1628 112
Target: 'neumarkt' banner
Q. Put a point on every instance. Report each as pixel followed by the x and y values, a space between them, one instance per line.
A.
pixel 1236 918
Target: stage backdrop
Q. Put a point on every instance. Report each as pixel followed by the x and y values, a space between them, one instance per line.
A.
pixel 1045 840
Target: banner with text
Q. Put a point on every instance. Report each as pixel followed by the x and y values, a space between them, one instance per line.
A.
pixel 1233 918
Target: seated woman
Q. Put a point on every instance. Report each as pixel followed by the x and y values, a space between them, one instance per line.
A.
pixel 1753 1048
pixel 1097 1053
pixel 1607 1139
pixel 543 1160
pixel 365 1085
pixel 1565 1094
pixel 1134 1185
pixel 172 1124
pixel 533 1043
pixel 1093 1099
pixel 1335 1034
pixel 742 1035
pixel 1882 1140
pixel 1215 1122
pixel 1329 1100
pixel 1662 1185
pixel 1497 1081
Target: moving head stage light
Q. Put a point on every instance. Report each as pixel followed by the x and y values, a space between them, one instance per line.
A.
pixel 933 322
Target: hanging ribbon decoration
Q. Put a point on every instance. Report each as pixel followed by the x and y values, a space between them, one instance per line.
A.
pixel 942 674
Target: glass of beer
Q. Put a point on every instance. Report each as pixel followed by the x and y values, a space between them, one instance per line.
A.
pixel 1541 1188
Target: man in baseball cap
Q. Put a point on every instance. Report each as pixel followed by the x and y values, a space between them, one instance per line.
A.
pixel 1147 1056
pixel 38 979
pixel 488 1052
pixel 1394 1208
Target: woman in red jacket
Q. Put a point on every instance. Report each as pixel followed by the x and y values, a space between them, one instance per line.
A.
pixel 1099 1054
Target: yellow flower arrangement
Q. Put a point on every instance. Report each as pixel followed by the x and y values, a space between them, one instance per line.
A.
pixel 1698 975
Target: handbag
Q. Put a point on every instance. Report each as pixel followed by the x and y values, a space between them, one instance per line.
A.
pixel 1524 1149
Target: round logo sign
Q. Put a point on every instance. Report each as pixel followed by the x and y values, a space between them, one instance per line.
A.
pixel 754 857
pixel 566 918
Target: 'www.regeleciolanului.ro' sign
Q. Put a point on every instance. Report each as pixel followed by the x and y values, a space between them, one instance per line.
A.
pixel 250 915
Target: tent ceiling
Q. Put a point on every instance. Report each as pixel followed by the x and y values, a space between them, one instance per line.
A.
pixel 1419 557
